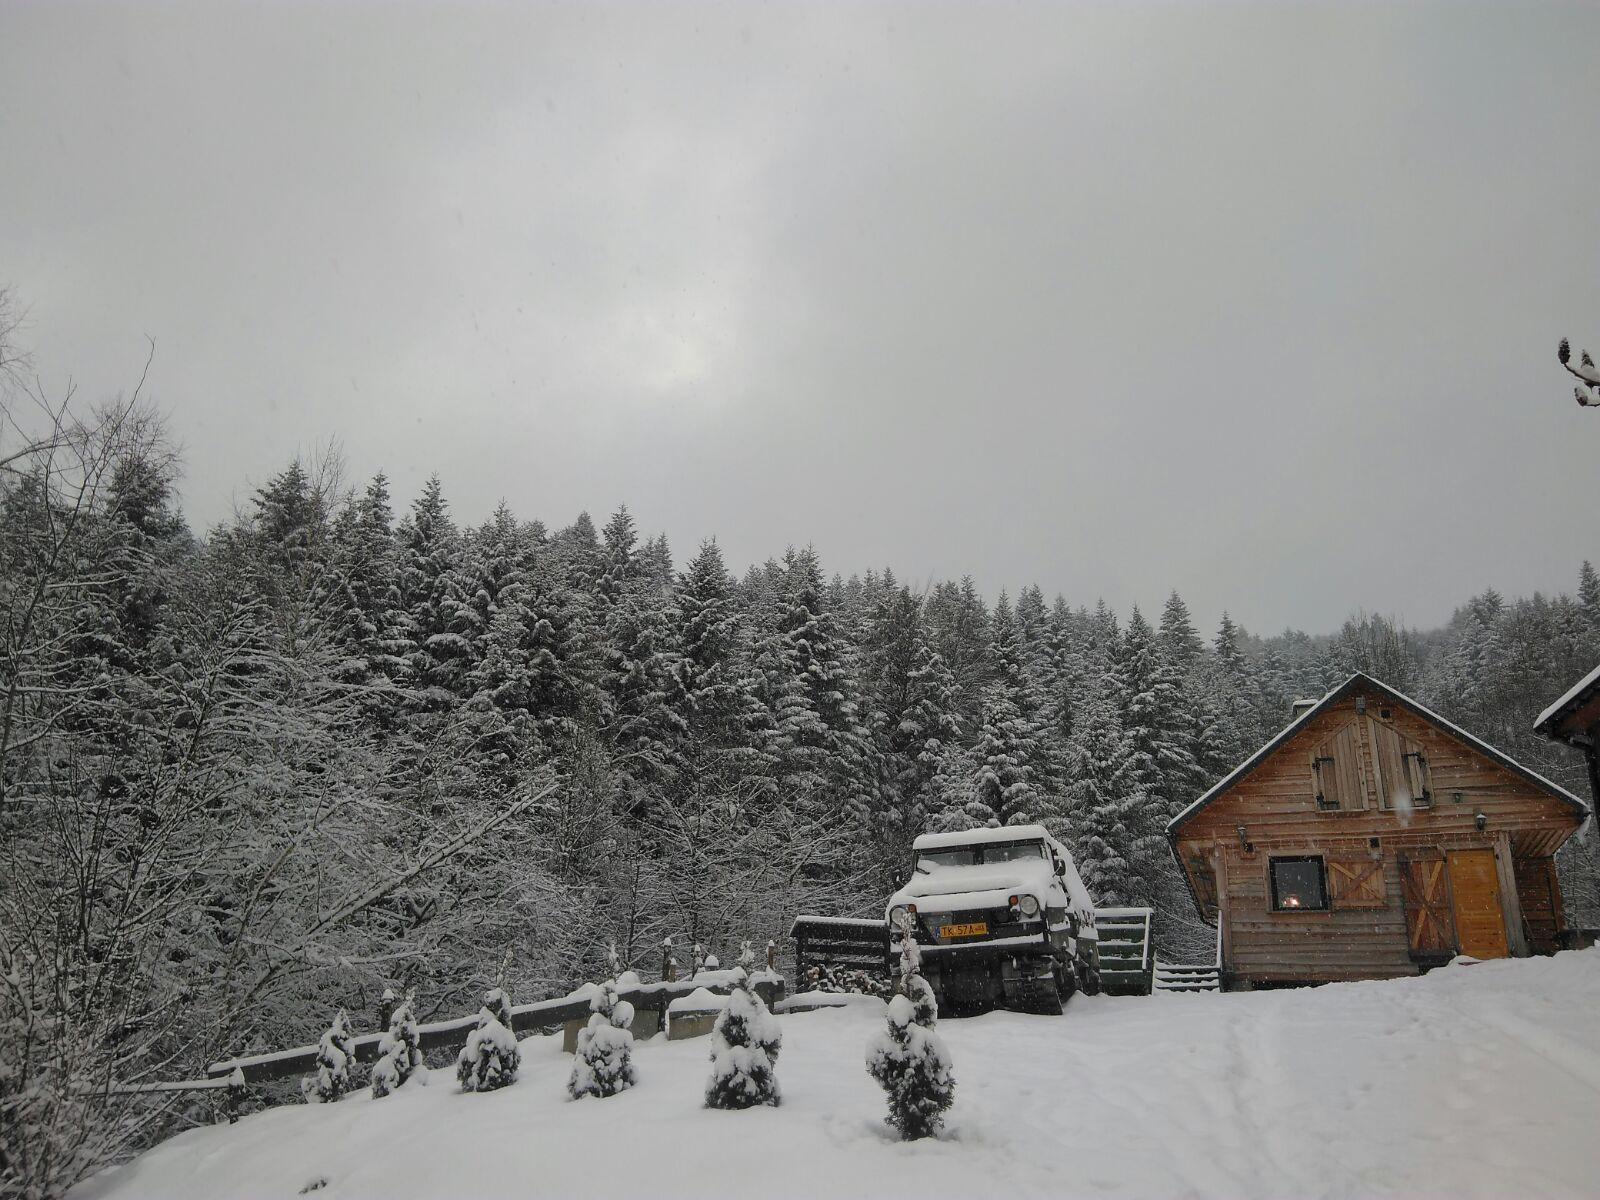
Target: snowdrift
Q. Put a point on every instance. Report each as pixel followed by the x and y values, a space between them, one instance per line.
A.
pixel 1475 1081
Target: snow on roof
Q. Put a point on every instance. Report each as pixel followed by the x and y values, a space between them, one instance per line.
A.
pixel 1427 714
pixel 973 837
pixel 1570 699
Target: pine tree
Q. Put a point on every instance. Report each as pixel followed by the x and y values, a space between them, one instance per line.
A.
pixel 909 696
pixel 744 1048
pixel 399 1053
pixel 710 636
pixel 1007 755
pixel 335 1053
pixel 1109 810
pixel 490 1059
pixel 431 596
pixel 1177 637
pixel 603 1064
pixel 1229 657
pixel 1589 593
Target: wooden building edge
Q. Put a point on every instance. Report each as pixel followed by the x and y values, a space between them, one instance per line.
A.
pixel 1372 839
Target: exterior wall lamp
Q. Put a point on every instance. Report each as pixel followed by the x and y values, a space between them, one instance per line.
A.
pixel 1480 819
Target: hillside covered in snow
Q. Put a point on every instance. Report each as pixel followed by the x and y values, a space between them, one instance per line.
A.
pixel 1477 1080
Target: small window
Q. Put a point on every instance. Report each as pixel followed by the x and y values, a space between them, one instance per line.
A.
pixel 1299 885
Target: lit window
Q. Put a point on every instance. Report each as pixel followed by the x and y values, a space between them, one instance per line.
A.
pixel 1298 885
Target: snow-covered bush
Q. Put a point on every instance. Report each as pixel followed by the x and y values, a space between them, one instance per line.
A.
pixel 603 1064
pixel 399 1055
pixel 490 1058
pixel 335 1052
pixel 744 1049
pixel 912 1066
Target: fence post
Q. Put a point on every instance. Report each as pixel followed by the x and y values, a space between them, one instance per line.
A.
pixel 385 1009
pixel 236 1095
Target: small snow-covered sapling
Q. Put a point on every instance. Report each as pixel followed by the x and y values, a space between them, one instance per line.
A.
pixel 603 1064
pixel 912 1066
pixel 924 1005
pixel 335 1053
pixel 399 1054
pixel 490 1059
pixel 744 1050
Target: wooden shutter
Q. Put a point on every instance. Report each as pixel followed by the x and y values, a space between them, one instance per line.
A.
pixel 1417 775
pixel 1339 771
pixel 1357 883
pixel 1402 769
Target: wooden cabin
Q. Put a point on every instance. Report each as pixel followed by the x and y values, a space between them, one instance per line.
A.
pixel 1575 720
pixel 1373 839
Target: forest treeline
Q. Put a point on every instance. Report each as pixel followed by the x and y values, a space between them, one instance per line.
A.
pixel 341 743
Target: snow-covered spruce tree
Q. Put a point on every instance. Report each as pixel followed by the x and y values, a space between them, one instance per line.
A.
pixel 603 1064
pixel 334 1055
pixel 908 1059
pixel 912 1066
pixel 399 1055
pixel 924 1005
pixel 744 1047
pixel 490 1058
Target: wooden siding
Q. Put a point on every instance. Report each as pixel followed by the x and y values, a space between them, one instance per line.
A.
pixel 1391 810
pixel 1539 892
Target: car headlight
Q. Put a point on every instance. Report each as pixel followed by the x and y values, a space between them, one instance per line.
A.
pixel 1029 906
pixel 896 915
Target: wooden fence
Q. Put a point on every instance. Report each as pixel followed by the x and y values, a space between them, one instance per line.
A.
pixel 544 1015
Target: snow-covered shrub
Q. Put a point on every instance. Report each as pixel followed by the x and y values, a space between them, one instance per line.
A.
pixel 335 1053
pixel 399 1055
pixel 744 1049
pixel 490 1058
pixel 912 1066
pixel 603 1064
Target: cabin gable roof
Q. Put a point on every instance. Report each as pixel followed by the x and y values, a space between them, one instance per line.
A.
pixel 1363 682
pixel 1553 722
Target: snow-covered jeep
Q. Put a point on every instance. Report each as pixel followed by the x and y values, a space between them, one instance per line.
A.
pixel 1002 919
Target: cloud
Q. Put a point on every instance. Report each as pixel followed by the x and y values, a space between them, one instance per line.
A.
pixel 1255 301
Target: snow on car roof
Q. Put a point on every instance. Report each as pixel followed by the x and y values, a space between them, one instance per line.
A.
pixel 973 837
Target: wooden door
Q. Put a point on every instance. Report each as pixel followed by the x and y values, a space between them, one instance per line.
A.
pixel 1429 924
pixel 1475 892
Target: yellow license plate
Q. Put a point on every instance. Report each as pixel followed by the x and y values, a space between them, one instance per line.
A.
pixel 970 930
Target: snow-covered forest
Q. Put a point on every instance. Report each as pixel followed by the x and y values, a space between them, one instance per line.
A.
pixel 351 740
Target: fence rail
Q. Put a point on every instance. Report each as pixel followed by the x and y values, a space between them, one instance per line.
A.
pixel 525 1018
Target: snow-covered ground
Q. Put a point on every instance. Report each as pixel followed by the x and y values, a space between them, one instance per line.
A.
pixel 1475 1081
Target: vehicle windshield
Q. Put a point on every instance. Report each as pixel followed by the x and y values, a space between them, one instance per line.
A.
pixel 979 855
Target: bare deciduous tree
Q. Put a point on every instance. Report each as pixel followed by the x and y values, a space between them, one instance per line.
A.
pixel 1585 372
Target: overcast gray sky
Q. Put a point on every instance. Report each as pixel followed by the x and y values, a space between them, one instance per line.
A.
pixel 1260 302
